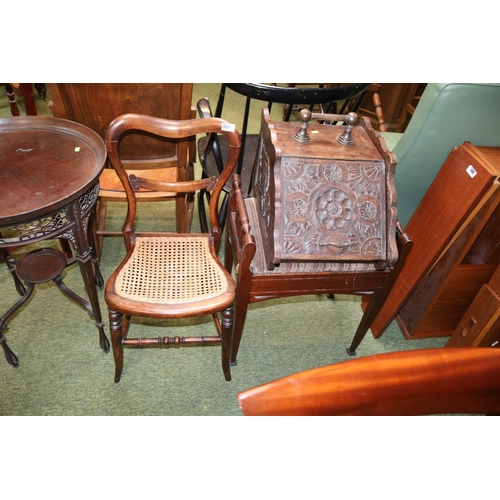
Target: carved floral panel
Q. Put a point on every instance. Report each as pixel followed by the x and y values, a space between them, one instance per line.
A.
pixel 333 209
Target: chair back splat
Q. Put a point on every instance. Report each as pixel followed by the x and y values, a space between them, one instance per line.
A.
pixel 170 275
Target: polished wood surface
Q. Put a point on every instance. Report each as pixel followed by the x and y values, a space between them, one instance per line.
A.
pixel 49 171
pixel 480 325
pixel 170 275
pixel 419 382
pixel 450 217
pixel 45 163
pixel 438 304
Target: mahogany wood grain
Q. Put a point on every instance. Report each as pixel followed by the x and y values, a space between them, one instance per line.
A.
pixel 478 320
pixel 49 171
pixel 437 304
pixel 419 382
pixel 439 220
pixel 447 307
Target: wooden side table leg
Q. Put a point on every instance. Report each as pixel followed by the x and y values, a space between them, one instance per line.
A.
pixel 14 110
pixel 84 258
pixel 9 355
pixel 11 267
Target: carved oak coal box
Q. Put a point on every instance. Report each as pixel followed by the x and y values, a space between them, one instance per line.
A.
pixel 323 200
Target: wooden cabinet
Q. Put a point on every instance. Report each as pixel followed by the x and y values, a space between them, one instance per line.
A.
pixel 456 235
pixel 321 200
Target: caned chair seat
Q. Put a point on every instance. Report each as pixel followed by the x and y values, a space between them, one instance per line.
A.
pixel 174 276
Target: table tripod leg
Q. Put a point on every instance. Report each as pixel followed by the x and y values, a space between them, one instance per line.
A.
pixel 87 268
pixel 87 271
pixel 79 300
pixel 73 296
pixel 9 355
pixel 11 265
pixel 99 280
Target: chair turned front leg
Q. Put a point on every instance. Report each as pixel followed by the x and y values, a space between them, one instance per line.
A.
pixel 115 326
pixel 227 336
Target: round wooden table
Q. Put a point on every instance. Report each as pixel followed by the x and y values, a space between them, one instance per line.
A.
pixel 49 183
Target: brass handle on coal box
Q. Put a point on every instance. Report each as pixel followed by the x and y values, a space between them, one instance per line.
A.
pixel 305 115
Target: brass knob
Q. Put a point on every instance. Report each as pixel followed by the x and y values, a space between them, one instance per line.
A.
pixel 302 135
pixel 351 121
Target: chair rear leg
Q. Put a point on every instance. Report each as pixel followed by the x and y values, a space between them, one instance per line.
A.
pixel 116 328
pixel 189 212
pixel 226 341
pixel 239 323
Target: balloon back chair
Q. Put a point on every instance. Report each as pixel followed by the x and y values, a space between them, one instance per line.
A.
pixel 170 275
pixel 212 150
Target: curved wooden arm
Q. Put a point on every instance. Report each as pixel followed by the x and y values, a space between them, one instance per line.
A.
pixel 175 129
pixel 419 382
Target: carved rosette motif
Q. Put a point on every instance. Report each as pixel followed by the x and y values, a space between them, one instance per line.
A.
pixel 333 209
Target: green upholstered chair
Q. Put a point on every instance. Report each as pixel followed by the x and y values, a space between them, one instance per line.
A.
pixel 447 115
